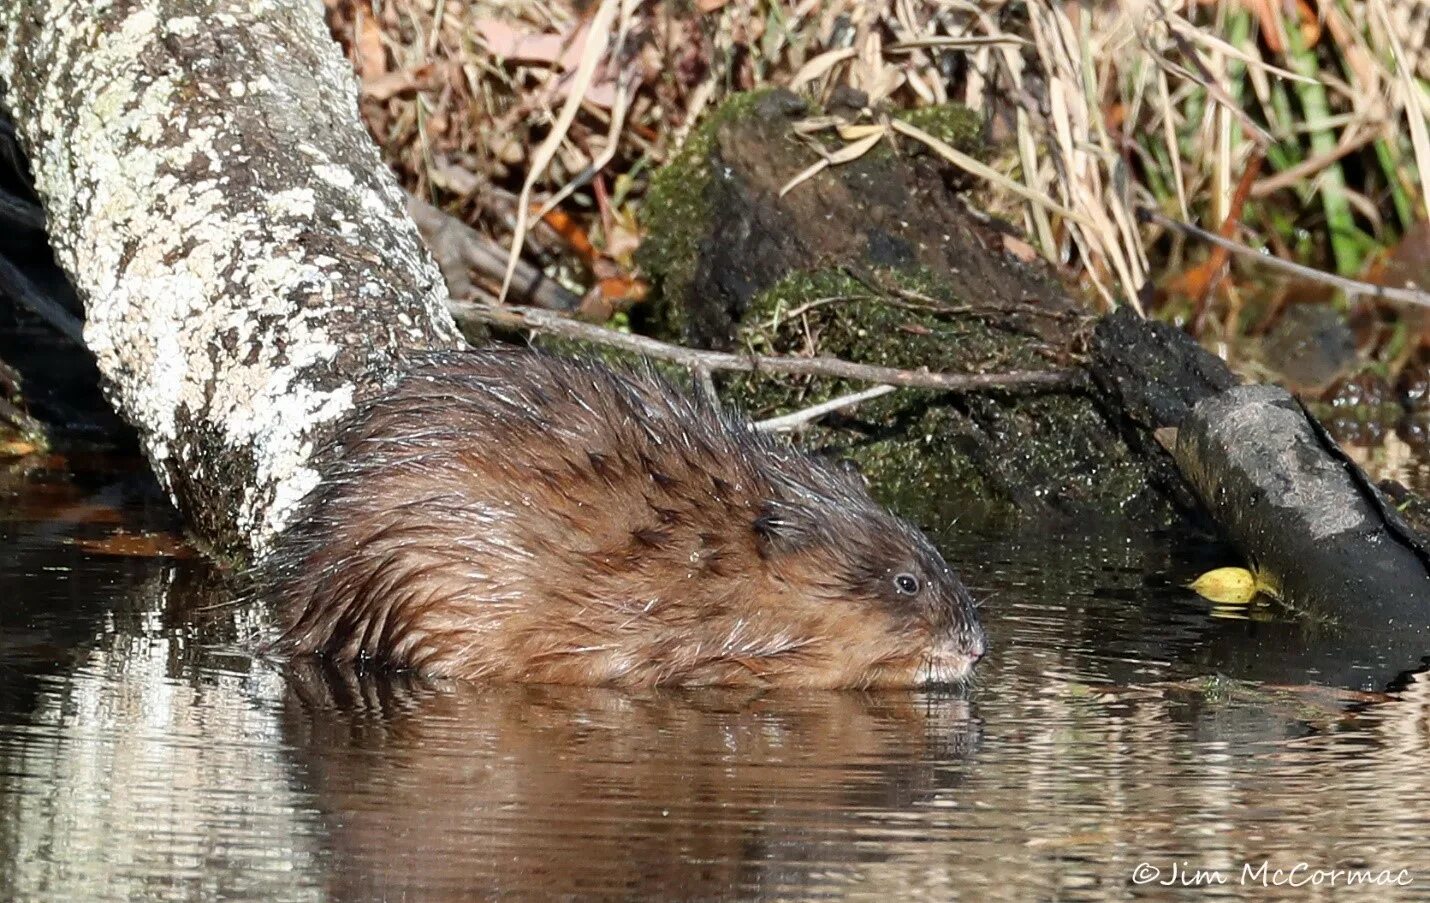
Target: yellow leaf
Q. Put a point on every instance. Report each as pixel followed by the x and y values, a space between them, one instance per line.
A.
pixel 1226 586
pixel 17 448
pixel 855 132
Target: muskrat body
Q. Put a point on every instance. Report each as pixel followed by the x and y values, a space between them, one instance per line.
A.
pixel 508 514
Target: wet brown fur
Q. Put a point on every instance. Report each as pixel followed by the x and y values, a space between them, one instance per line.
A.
pixel 513 515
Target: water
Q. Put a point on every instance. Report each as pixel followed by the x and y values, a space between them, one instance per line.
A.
pixel 144 754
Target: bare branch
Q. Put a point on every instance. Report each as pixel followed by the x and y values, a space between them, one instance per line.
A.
pixel 1352 287
pixel 695 359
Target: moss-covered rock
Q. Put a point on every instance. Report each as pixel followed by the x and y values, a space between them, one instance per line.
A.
pixel 677 210
pixel 984 458
pixel 721 229
pixel 879 261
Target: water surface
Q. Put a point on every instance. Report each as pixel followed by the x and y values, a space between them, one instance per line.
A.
pixel 1119 720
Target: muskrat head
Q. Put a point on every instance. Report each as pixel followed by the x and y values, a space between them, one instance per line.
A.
pixel 899 614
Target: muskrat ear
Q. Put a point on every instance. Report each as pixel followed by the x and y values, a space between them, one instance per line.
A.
pixel 783 527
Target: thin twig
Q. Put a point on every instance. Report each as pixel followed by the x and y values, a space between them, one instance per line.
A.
pixel 626 83
pixel 1302 172
pixel 796 419
pixel 553 324
pixel 957 43
pixel 1352 287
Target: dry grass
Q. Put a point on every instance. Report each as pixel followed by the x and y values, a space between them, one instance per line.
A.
pixel 1296 127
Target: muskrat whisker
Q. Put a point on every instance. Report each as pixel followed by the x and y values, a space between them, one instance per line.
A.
pixel 979 598
pixel 226 604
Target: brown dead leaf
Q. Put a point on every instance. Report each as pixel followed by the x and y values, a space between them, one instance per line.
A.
pixel 561 52
pixel 504 41
pixel 623 290
pixel 601 94
pixel 371 58
pixel 385 87
pixel 1019 249
pixel 595 307
pixel 571 232
pixel 1407 264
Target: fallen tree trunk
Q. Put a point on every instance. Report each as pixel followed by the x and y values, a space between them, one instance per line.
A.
pixel 1304 517
pixel 1300 513
pixel 244 258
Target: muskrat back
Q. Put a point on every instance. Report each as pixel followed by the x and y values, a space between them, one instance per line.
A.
pixel 508 514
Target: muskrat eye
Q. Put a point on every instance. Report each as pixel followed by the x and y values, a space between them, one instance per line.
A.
pixel 906 584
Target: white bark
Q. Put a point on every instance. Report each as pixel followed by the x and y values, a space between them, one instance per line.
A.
pixel 245 259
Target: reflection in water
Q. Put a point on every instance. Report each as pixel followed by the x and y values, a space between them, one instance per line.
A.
pixel 144 754
pixel 132 776
pixel 482 791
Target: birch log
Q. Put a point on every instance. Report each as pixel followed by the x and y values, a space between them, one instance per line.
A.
pixel 244 257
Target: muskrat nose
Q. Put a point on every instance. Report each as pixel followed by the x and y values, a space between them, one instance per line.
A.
pixel 976 644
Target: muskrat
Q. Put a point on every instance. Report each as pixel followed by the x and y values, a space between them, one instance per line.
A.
pixel 509 514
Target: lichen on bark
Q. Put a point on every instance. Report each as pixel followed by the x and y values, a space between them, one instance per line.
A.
pixel 245 260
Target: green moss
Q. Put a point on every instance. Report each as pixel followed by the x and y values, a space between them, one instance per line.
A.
pixel 925 473
pixel 951 123
pixel 933 458
pixel 932 455
pixel 853 321
pixel 676 210
pixel 675 213
pixel 918 448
